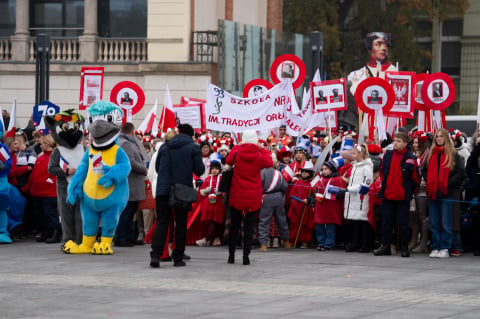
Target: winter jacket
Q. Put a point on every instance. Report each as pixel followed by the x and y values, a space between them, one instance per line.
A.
pixel 410 173
pixel 186 160
pixel 463 152
pixel 246 189
pixel 356 208
pixel 41 183
pixel 328 211
pixel 274 187
pixel 455 177
pixel 136 178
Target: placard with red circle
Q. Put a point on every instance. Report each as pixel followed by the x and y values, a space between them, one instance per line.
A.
pixel 288 66
pixel 438 91
pixel 374 94
pixel 256 87
pixel 128 95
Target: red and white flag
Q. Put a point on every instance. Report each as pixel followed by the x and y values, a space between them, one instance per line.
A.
pixel 148 122
pixel 63 163
pixel 167 119
pixel 4 155
pixel 13 119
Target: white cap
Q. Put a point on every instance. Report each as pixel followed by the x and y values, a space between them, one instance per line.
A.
pixel 250 136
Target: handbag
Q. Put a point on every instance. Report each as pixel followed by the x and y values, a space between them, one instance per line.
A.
pixel 226 180
pixel 179 195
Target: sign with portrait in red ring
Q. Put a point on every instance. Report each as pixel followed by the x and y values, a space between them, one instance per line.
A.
pixel 288 66
pixel 417 92
pixel 438 91
pixel 128 95
pixel 256 87
pixel 374 94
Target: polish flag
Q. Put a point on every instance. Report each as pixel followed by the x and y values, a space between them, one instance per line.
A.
pixel 148 122
pixel 167 119
pixel 4 155
pixel 63 163
pixel 13 118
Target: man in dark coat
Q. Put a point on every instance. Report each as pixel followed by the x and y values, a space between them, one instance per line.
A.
pixel 186 159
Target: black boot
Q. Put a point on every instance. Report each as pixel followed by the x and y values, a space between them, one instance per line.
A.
pixel 56 236
pixel 246 260
pixel 231 259
pixel 404 250
pixel 384 250
pixel 154 260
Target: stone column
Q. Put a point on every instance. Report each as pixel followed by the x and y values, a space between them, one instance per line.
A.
pixel 21 38
pixel 88 41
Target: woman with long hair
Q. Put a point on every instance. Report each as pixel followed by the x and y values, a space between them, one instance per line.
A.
pixel 444 172
pixel 419 216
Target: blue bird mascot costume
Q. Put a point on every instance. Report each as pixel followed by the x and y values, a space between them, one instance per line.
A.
pixel 100 183
pixel 5 164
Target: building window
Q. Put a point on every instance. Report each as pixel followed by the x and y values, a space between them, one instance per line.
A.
pixel 7 17
pixel 451 33
pixel 57 18
pixel 122 19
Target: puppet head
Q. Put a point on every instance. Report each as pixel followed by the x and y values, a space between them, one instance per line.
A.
pixel 105 121
pixel 65 127
pixel 377 44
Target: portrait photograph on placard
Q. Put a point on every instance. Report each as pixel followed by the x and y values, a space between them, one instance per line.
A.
pixel 288 70
pixel 404 90
pixel 328 95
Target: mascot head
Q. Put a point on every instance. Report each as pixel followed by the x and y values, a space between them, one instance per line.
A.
pixel 105 121
pixel 65 127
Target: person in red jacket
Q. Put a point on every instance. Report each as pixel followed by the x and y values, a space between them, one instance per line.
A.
pixel 42 186
pixel 246 190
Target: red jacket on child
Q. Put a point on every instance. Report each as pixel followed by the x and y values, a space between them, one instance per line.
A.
pixel 41 183
pixel 212 211
pixel 328 211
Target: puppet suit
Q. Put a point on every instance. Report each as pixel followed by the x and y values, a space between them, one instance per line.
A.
pixel 100 182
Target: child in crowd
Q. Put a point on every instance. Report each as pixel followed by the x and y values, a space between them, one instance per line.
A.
pixel 42 186
pixel 300 213
pixel 328 203
pixel 213 210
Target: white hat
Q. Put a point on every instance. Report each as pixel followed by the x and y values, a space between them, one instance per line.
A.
pixel 307 166
pixel 250 136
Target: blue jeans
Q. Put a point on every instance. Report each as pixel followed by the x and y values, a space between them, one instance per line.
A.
pixel 125 227
pixel 441 217
pixel 326 234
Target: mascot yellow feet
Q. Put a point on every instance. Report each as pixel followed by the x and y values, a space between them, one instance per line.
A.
pixel 104 247
pixel 86 247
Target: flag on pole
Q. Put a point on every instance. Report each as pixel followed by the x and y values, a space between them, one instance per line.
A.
pixel 63 163
pixel 13 119
pixel 4 156
pixel 147 124
pixel 167 119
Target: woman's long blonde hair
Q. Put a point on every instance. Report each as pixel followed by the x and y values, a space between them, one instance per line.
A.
pixel 449 149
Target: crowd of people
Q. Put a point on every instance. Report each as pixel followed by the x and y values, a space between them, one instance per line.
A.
pixel 417 192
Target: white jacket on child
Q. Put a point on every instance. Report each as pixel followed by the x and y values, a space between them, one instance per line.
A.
pixel 355 207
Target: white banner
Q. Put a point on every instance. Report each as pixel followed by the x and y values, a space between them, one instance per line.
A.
pixel 229 113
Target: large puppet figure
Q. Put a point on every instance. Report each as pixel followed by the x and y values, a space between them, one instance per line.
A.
pixel 67 130
pixel 100 182
pixel 378 44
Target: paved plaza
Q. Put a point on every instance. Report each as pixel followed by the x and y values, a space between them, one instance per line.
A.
pixel 39 281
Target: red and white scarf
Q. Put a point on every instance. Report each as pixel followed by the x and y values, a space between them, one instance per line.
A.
pixel 437 176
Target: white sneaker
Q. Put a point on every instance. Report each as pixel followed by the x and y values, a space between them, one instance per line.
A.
pixel 443 254
pixel 201 242
pixel 216 242
pixel 433 254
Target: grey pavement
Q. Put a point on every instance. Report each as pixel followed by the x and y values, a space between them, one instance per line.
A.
pixel 37 280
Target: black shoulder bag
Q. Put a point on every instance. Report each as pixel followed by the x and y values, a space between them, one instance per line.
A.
pixel 180 195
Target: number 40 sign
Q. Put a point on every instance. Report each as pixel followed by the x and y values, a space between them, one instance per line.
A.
pixel 42 109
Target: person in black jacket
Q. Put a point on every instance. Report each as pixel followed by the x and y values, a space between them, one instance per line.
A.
pixel 186 159
pixel 472 191
pixel 400 177
pixel 444 172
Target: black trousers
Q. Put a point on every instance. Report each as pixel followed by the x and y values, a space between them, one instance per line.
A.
pixel 164 216
pixel 395 210
pixel 248 225
pixel 361 234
